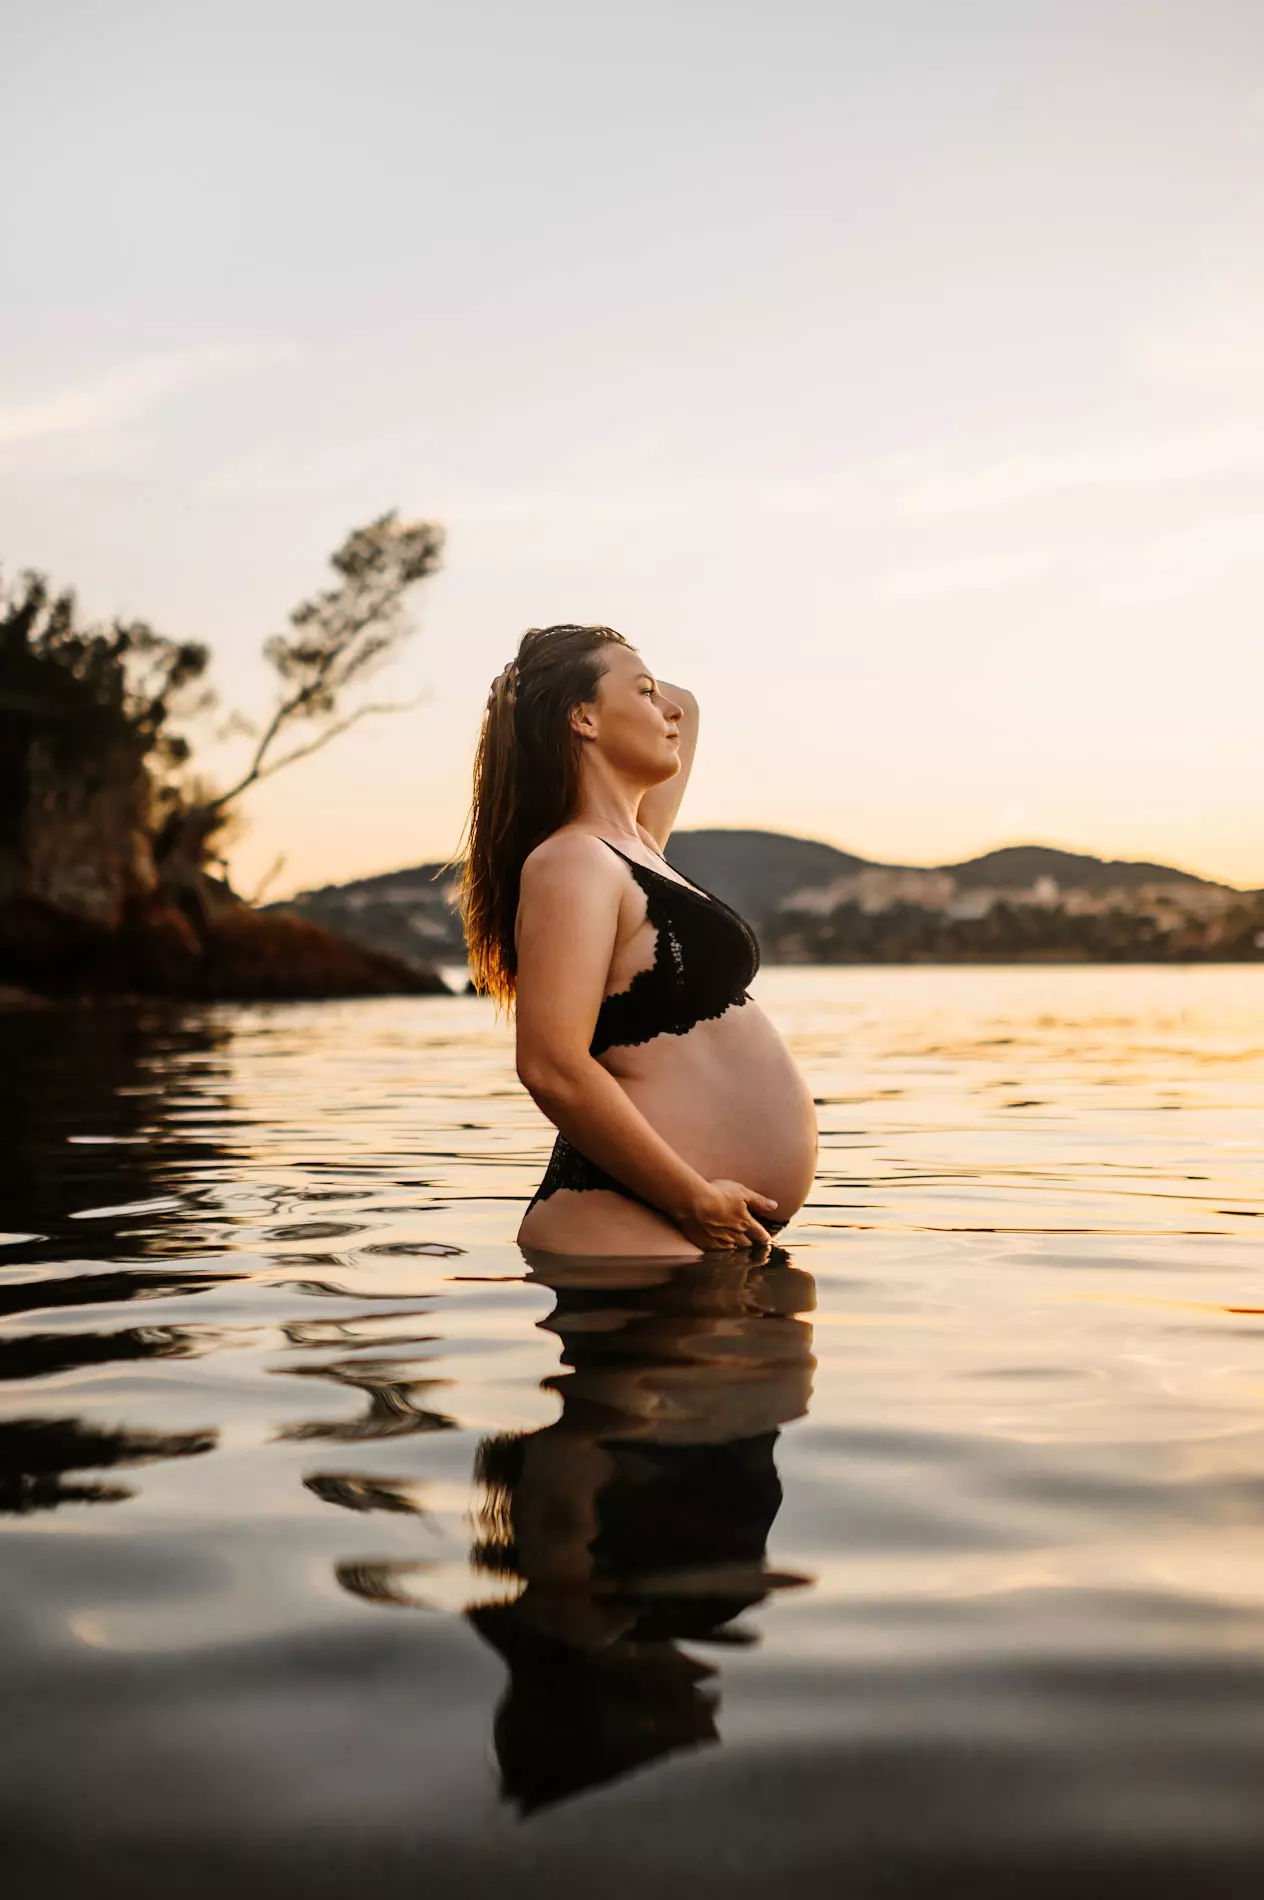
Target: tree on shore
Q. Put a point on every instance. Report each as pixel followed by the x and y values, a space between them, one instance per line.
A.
pixel 89 714
pixel 337 639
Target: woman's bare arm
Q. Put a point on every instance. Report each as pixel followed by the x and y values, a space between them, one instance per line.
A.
pixel 568 916
pixel 658 808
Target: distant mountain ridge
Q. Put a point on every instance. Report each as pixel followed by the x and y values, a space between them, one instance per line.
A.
pixel 777 862
pixel 765 875
pixel 1015 866
pixel 756 871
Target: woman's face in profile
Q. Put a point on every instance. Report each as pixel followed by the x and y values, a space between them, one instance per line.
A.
pixel 632 720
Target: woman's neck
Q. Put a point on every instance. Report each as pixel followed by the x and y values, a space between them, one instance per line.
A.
pixel 609 804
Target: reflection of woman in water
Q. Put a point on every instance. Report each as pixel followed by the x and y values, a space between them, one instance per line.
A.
pixel 684 1124
pixel 641 1517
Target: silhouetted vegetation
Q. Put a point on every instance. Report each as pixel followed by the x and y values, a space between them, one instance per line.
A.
pixel 107 829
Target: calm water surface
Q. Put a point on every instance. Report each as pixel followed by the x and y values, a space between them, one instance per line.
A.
pixel 339 1544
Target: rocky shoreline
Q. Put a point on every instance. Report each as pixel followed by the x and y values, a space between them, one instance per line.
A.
pixel 218 950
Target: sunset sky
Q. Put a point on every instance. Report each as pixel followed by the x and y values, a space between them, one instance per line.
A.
pixel 892 375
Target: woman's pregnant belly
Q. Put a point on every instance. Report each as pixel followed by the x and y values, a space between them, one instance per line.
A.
pixel 730 1100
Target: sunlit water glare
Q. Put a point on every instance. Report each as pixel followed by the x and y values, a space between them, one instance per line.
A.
pixel 926 1556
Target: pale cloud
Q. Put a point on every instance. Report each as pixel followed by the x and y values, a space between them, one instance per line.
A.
pixel 123 394
pixel 1197 557
pixel 1234 449
pixel 980 571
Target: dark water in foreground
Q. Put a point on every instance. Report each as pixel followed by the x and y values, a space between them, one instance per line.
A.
pixel 338 1547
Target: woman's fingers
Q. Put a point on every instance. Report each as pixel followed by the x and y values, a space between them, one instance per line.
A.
pixel 737 1224
pixel 753 1199
pixel 754 1232
pixel 761 1201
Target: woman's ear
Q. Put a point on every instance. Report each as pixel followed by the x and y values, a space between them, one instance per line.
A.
pixel 582 721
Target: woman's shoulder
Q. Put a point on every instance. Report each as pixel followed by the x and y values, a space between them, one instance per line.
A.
pixel 565 856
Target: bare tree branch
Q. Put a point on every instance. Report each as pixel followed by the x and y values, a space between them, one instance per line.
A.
pixel 337 638
pixel 334 732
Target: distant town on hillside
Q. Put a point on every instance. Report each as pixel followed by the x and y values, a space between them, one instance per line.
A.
pixel 812 903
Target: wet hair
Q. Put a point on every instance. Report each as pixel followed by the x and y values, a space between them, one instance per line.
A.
pixel 526 780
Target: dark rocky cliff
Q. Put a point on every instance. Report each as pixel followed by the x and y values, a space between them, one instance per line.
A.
pixel 86 911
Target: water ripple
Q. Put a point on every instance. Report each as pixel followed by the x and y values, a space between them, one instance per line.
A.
pixel 312 1488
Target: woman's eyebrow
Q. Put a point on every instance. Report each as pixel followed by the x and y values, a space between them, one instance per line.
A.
pixel 647 676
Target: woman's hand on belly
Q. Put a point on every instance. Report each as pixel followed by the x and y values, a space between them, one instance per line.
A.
pixel 725 1216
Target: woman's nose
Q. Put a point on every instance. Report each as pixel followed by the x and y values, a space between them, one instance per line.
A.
pixel 671 710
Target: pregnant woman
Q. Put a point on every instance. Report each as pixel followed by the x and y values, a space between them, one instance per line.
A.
pixel 684 1124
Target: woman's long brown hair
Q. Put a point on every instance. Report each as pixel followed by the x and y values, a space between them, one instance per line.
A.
pixel 526 779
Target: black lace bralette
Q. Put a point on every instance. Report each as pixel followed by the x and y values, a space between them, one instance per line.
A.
pixel 704 958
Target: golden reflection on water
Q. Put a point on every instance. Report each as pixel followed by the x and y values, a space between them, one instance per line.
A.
pixel 999 1392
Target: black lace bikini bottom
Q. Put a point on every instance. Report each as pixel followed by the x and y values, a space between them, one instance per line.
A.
pixel 568 1168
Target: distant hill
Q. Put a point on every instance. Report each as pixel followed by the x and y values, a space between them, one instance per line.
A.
pixel 1017 867
pixel 407 912
pixel 755 870
pixel 410 913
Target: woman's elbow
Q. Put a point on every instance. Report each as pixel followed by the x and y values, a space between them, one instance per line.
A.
pixel 551 1080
